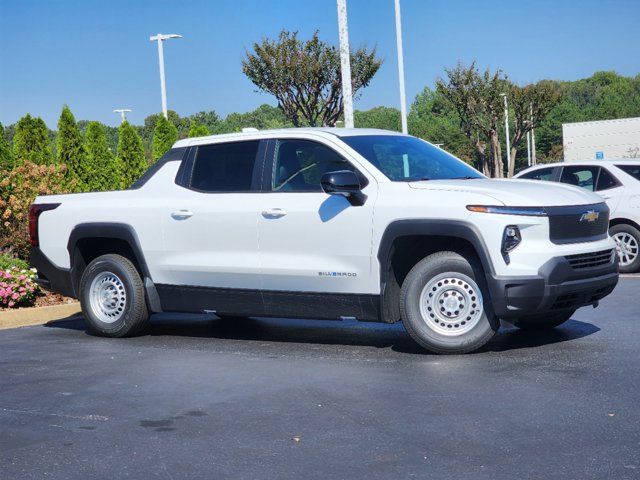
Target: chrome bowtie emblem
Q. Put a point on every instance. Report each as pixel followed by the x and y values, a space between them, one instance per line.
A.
pixel 590 216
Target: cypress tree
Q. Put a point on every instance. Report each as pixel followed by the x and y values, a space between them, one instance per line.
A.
pixel 31 142
pixel 100 162
pixel 70 150
pixel 164 136
pixel 6 155
pixel 198 130
pixel 130 154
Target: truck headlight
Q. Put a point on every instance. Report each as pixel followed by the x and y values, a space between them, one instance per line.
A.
pixel 511 238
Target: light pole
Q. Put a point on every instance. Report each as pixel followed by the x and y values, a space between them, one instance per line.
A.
pixel 345 64
pixel 163 88
pixel 123 113
pixel 403 100
pixel 534 161
pixel 506 127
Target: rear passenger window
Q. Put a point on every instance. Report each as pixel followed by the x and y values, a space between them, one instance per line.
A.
pixel 224 167
pixel 541 174
pixel 583 177
pixel 633 170
pixel 606 180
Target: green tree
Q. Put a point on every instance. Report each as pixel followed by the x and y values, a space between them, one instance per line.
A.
pixel 31 141
pixel 104 171
pixel 198 130
pixel 130 156
pixel 264 117
pixel 165 135
pixel 476 98
pixel 6 155
pixel 70 149
pixel 433 118
pixel 209 119
pixel 386 118
pixel 530 105
pixel 305 76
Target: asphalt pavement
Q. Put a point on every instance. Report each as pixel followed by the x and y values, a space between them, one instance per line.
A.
pixel 277 399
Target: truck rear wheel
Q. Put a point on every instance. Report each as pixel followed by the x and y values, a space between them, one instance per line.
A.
pixel 543 322
pixel 112 297
pixel 444 305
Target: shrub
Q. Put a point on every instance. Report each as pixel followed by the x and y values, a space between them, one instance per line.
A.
pixel 17 283
pixel 18 190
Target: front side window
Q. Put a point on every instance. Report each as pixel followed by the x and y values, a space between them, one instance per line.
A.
pixel 299 165
pixel 583 177
pixel 407 159
pixel 224 167
pixel 633 170
pixel 540 174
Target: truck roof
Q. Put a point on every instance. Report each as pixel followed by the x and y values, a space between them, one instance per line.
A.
pixel 339 132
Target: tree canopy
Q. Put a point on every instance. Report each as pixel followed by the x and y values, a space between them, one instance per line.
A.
pixel 31 141
pixel 103 170
pixel 130 157
pixel 304 76
pixel 165 135
pixel 6 155
pixel 70 148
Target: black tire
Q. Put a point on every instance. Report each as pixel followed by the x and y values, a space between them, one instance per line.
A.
pixel 131 315
pixel 478 331
pixel 543 322
pixel 622 229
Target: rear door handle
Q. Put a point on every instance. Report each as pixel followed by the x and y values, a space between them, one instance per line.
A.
pixel 274 213
pixel 181 214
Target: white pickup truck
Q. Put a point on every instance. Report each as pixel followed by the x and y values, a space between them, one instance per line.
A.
pixel 332 224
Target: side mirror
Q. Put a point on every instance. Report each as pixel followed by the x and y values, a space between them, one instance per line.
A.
pixel 345 183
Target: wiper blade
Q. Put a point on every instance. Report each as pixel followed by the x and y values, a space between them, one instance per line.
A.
pixel 464 178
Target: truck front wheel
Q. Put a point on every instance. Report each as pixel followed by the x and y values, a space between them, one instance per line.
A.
pixel 444 305
pixel 112 297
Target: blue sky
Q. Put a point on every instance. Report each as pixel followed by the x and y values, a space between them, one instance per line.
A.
pixel 96 56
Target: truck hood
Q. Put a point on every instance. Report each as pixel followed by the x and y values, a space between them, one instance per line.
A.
pixel 516 193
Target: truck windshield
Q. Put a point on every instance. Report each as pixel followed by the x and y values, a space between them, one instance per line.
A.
pixel 407 159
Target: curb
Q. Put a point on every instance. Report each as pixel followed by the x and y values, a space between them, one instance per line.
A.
pixel 24 317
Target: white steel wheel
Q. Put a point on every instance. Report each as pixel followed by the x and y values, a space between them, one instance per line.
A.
pixel 627 248
pixel 451 304
pixel 107 297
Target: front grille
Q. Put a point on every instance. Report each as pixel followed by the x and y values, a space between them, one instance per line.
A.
pixel 590 260
pixel 571 224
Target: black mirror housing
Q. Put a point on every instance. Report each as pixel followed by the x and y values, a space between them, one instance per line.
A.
pixel 345 183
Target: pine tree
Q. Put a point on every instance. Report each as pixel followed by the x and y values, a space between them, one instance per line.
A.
pixel 100 162
pixel 130 154
pixel 198 130
pixel 70 150
pixel 6 155
pixel 164 136
pixel 31 142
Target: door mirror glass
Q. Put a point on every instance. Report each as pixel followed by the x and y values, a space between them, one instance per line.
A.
pixel 345 183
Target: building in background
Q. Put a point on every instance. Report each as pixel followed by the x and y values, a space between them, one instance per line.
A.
pixel 601 139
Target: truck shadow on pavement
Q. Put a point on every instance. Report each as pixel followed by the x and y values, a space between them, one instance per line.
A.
pixel 321 332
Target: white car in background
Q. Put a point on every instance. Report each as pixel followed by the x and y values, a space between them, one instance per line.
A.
pixel 618 182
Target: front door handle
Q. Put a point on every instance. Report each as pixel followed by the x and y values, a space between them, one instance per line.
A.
pixel 181 214
pixel 274 213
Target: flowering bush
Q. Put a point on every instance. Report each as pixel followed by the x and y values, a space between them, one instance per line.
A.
pixel 17 287
pixel 18 188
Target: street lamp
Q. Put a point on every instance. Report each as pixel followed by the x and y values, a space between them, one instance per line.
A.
pixel 345 64
pixel 123 113
pixel 506 127
pixel 403 100
pixel 163 89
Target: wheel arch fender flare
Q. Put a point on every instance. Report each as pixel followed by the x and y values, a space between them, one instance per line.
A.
pixel 432 228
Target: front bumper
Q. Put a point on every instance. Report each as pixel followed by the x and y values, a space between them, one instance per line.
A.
pixel 557 287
